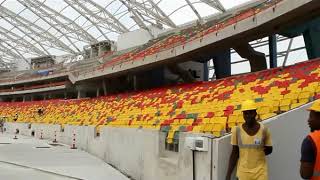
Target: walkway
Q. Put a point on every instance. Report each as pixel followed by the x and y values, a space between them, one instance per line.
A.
pixel 31 159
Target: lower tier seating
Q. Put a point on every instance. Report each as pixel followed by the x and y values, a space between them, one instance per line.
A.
pixel 202 107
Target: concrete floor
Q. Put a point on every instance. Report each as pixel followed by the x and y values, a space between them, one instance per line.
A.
pixel 21 159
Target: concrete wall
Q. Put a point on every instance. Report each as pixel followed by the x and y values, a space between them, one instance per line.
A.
pixel 141 153
pixel 132 39
pixel 288 131
pixel 138 153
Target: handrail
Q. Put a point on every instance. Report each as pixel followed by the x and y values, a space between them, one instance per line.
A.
pixel 35 87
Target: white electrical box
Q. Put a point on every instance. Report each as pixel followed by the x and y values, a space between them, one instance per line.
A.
pixel 197 143
pixel 201 143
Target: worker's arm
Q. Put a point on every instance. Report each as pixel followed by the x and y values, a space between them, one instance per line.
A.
pixel 306 170
pixel 232 161
pixel 307 158
pixel 268 150
pixel 268 142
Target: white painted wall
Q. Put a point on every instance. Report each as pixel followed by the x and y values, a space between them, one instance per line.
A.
pixel 140 153
pixel 288 131
pixel 137 37
pixel 135 152
pixel 132 39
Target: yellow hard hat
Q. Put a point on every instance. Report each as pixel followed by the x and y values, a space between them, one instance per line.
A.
pixel 248 105
pixel 315 106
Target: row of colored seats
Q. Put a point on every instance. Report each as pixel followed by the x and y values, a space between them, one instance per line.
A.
pixel 202 107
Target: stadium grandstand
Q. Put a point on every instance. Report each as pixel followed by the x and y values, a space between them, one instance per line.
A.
pixel 150 89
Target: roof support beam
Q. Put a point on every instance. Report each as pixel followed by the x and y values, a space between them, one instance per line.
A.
pixel 17 55
pixel 18 21
pixel 148 12
pixel 4 64
pixel 137 19
pixel 114 22
pixel 68 26
pixel 26 34
pixel 194 10
pixel 74 5
pixel 215 4
pixel 39 13
pixel 19 41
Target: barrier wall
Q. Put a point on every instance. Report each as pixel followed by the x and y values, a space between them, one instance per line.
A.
pixel 288 131
pixel 141 153
pixel 137 153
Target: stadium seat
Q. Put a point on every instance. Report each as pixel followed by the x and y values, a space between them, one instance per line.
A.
pixel 202 107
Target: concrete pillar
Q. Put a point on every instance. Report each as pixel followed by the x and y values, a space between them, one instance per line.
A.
pixel 98 92
pixel 24 98
pixel 65 95
pixel 104 86
pixel 273 51
pixel 157 76
pixel 222 64
pixel 311 34
pixel 31 98
pixel 312 41
pixel 205 71
pixel 81 94
pixel 135 82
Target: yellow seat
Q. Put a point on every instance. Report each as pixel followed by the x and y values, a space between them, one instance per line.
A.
pixel 295 105
pixel 197 129
pixel 267 116
pixel 285 104
pixel 207 128
pixel 232 119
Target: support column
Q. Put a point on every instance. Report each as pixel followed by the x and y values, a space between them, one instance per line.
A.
pixel 312 41
pixel 104 86
pixel 24 98
pixel 134 82
pixel 205 71
pixel 222 64
pixel 79 94
pixel 65 95
pixel 273 51
pixel 98 92
pixel 157 77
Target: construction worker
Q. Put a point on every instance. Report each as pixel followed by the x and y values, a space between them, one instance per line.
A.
pixel 310 148
pixel 1 124
pixel 251 142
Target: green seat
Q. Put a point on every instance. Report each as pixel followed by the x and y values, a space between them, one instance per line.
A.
pixel 165 128
pixel 192 116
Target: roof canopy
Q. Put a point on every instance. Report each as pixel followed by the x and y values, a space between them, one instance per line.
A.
pixel 31 28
